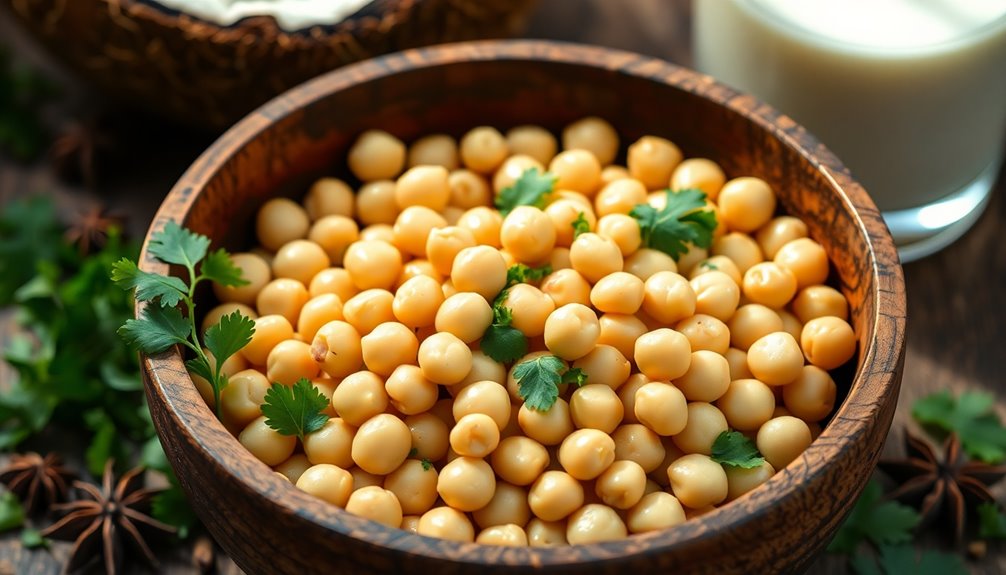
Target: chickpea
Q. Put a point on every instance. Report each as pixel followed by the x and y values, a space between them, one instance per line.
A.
pixel 576 170
pixel 594 135
pixel 738 360
pixel 637 443
pixel 594 523
pixel 612 173
pixel 594 256
pixel 359 397
pixel 417 301
pixel 655 511
pixel 331 444
pixel 377 504
pixel 555 495
pixel 528 234
pixel 317 312
pixel 783 439
pixel 619 292
pixel 413 227
pixel 375 203
pixel 746 204
pixel 622 485
pixel 388 346
pixel 571 331
pixel 414 485
pixel 368 309
pixel 769 284
pixel 559 259
pixel 747 404
pixel 532 141
pixel 443 245
pixel 487 397
pixel 483 149
pixel 283 296
pixel 409 391
pixel 410 523
pixel 381 443
pixel 652 160
pixel 662 354
pixel 327 482
pixel 661 407
pixel 378 232
pixel 269 331
pixel 336 347
pixel 819 301
pixel 668 297
pixel 333 234
pixel 280 221
pixel 376 155
pixel 293 468
pixel 512 170
pixel 721 264
pixel 811 397
pixel 466 483
pixel 254 270
pixel 232 365
pixel 241 399
pixel 475 435
pixel 586 453
pixel 446 523
pixel 700 173
pixel 596 406
pixel 530 308
pixel 465 315
pixel 444 358
pixel 213 316
pixel 424 185
pixel 429 436
pixel 705 332
pixel 484 368
pixel 698 481
pixel 740 480
pixel 778 232
pixel 562 213
pixel 740 248
pixel 519 460
pixel 329 197
pixel 363 479
pixel 705 424
pixel 751 322
pixel 484 224
pixel 546 533
pixel 546 427
pixel 372 264
pixel 776 358
pixel 624 231
pixel 790 324
pixel 508 535
pixel 806 259
pixel 627 395
pixel 479 269
pixel 619 197
pixel 290 361
pixel 434 150
pixel 828 342
pixel 468 189
pixel 267 444
pixel 508 506
pixel 566 286
pixel 334 281
pixel 716 294
pixel 620 331
pixel 604 365
pixel 646 262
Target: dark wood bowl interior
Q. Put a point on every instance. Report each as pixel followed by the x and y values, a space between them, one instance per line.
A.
pixel 269 526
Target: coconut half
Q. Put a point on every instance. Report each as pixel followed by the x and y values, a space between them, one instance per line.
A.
pixel 291 15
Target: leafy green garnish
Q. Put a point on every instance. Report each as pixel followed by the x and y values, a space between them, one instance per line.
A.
pixel 991 521
pixel 501 341
pixel 580 225
pixel 882 522
pixel 521 273
pixel 32 539
pixel 683 221
pixel 531 189
pixel 733 448
pixel 538 380
pixel 11 512
pixel 971 417
pixel 162 324
pixel 902 559
pixel 295 410
pixel 426 463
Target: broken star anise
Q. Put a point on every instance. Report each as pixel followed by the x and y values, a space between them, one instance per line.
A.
pixel 103 518
pixel 89 229
pixel 38 481
pixel 947 486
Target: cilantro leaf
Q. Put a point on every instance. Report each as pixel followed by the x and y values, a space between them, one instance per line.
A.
pixel 295 410
pixel 427 464
pixel 538 381
pixel 682 221
pixel 219 267
pixel 900 559
pixel 169 289
pixel 521 273
pixel 991 522
pixel 971 417
pixel 32 539
pixel 887 522
pixel 733 448
pixel 531 189
pixel 176 245
pixel 574 376
pixel 501 341
pixel 580 225
pixel 158 329
pixel 11 512
pixel 228 336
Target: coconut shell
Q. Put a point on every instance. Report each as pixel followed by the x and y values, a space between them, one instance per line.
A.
pixel 208 76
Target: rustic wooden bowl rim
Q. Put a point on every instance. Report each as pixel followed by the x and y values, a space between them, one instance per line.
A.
pixel 875 378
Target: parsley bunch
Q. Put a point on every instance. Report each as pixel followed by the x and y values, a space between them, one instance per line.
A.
pixel 681 222
pixel 162 324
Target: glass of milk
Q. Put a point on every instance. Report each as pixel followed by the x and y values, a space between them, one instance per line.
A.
pixel 909 94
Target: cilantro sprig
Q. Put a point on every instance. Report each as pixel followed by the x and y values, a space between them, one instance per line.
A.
pixel 501 341
pixel 538 380
pixel 734 449
pixel 971 417
pixel 681 222
pixel 162 323
pixel 295 410
pixel 872 518
pixel 532 188
pixel 580 225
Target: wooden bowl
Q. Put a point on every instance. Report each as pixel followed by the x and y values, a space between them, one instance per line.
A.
pixel 269 526
pixel 209 76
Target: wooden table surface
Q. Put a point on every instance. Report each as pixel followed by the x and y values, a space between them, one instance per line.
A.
pixel 956 327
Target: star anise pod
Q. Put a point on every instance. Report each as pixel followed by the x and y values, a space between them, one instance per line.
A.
pixel 89 229
pixel 949 485
pixel 103 518
pixel 38 481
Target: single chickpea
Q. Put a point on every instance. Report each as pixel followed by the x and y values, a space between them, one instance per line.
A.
pixel 811 397
pixel 698 481
pixel 413 227
pixel 333 234
pixel 806 259
pixel 282 296
pixel 508 506
pixel 509 535
pixel 595 406
pixel 519 460
pixel 819 301
pixel 484 368
pixel 429 436
pixel 465 315
pixel 372 264
pixel 828 342
pixel 265 443
pixel 375 203
pixel 280 221
pixel 443 245
pixel 293 467
pixel 483 149
pixel 546 533
pixel 668 297
pixel 559 259
pixel 334 281
pixel 576 170
pixel 376 155
pixel 417 301
pixel 378 232
pixel 622 485
pixel 512 170
pixel 329 197
pixel 624 231
pixel 594 523
pixel 423 186
pixel 418 267
pixel 783 439
pixel 586 453
pixel 363 479
pixel 705 424
pixel 446 523
pixel 751 322
pixel 530 308
pixel 485 225
pixel 317 312
pixel 290 361
pixel 619 197
pixel 769 284
pixel 368 309
pixel 747 404
pixel 331 444
pixel 410 523
pixel 652 160
pixel 213 316
pixel 604 365
pixel 475 435
pixel 721 264
pixel 705 332
pixel 740 248
pixel 414 485
pixel 661 407
pixel 595 256
pixel 528 234
pixel 778 232
pixel 700 173
pixel 790 324
pixel 593 134
pixel 655 511
pixel 487 397
pixel 563 213
pixel 328 483
pixel 619 292
pixel 740 480
pixel 377 504
pixel 468 189
pixel 242 398
pixel 532 141
pixel 746 204
pixel 663 354
pixel 627 395
pixel 546 427
pixel 637 443
pixel 269 331
pixel 444 358
pixel 776 358
pixel 479 269
pixel 336 348
pixel 434 150
pixel 389 345
pixel 646 262
pixel 409 391
pixel 738 360
pixel 571 331
pixel 381 444
pixel 466 483
pixel 716 294
pixel 254 270
pixel 359 397
pixel 566 286
pixel 620 331
pixel 555 495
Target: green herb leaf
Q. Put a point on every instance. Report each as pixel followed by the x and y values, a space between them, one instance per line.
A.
pixel 733 448
pixel 32 539
pixel 11 512
pixel 683 221
pixel 176 245
pixel 427 464
pixel 501 341
pixel 149 287
pixel 414 452
pixel 580 225
pixel 520 273
pixel 219 267
pixel 157 330
pixel 105 444
pixel 199 367
pixel 172 507
pixel 531 189
pixel 903 559
pixel 295 410
pixel 991 521
pixel 971 417
pixel 229 335
pixel 574 376
pixel 882 522
pixel 538 381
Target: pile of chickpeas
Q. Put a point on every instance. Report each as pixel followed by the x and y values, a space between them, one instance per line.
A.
pixel 380 296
